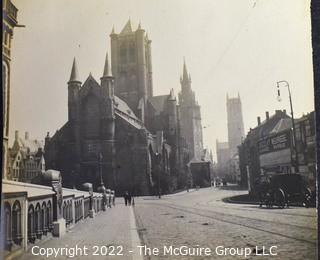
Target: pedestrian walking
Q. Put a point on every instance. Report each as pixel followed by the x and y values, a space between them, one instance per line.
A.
pixel 126 198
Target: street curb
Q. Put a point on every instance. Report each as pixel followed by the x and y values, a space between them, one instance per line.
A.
pixel 230 200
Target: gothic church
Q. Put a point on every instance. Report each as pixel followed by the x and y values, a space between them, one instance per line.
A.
pixel 119 134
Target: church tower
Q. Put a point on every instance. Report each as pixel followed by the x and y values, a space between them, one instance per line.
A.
pixel 190 116
pixel 131 66
pixel 235 123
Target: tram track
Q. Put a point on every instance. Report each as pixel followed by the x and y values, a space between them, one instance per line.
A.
pixel 246 222
pixel 269 211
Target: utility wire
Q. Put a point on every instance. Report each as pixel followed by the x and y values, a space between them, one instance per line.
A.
pixel 213 70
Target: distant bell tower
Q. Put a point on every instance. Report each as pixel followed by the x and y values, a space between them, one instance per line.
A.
pixel 131 67
pixel 235 123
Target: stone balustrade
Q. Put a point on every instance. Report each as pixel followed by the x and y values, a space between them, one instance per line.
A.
pixel 30 211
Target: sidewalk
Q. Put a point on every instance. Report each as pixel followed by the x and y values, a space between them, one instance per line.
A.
pixel 113 229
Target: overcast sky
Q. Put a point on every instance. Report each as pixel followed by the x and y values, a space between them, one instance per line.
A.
pixel 232 46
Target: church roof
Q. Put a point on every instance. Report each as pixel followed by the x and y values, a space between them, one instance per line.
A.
pixel 125 112
pixel 123 107
pixel 158 102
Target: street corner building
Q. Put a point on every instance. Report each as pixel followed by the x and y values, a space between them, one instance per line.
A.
pixel 119 133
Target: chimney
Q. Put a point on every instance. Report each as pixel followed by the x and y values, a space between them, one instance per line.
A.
pixel 284 111
pixel 16 135
pixel 267 115
pixel 26 135
pixel 259 120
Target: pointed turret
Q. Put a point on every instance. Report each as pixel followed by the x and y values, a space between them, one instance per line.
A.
pixel 107 80
pixel 139 26
pixel 74 77
pixel 74 85
pixel 107 70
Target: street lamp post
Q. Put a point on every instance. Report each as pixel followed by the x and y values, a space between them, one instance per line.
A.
pixel 102 188
pixel 296 160
pixel 158 171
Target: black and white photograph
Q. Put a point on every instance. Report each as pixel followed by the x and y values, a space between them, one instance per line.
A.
pixel 148 129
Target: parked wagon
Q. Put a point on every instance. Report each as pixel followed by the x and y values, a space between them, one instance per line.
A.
pixel 282 190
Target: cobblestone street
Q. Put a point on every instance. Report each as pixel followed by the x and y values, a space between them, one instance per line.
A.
pixel 200 218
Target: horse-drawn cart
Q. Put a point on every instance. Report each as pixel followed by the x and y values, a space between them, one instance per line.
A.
pixel 282 190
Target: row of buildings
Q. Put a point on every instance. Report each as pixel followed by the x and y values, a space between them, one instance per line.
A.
pixel 269 149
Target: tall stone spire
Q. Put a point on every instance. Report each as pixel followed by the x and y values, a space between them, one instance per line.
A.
pixel 74 77
pixel 107 70
pixel 185 71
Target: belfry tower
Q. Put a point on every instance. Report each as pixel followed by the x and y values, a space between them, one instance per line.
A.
pixel 235 123
pixel 131 66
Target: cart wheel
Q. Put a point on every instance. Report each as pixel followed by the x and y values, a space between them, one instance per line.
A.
pixel 307 198
pixel 279 198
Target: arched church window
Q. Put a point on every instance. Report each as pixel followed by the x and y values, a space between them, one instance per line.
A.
pixel 16 223
pixel 132 52
pixel 123 53
pixel 91 111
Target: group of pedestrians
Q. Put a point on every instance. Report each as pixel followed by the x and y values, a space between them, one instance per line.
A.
pixel 128 199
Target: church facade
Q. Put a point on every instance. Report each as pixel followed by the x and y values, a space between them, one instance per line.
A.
pixel 118 133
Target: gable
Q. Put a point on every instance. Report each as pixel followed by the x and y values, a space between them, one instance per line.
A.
pixel 90 86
